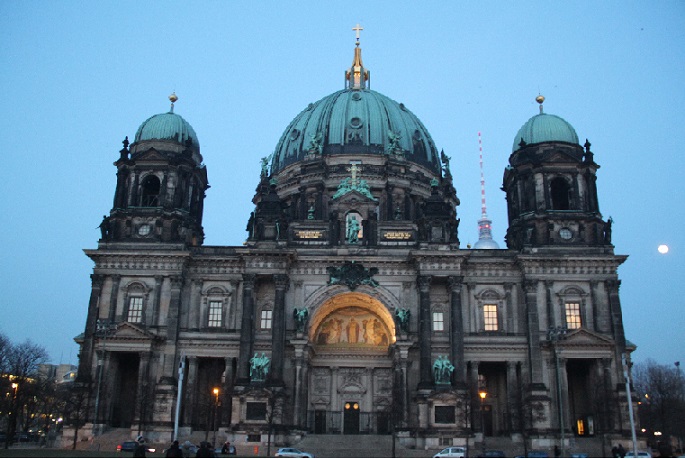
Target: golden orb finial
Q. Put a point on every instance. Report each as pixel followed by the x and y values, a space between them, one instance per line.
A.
pixel 173 98
pixel 540 99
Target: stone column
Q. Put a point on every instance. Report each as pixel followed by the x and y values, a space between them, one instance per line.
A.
pixel 191 391
pixel 86 359
pixel 457 330
pixel 155 320
pixel 246 329
pixel 533 332
pixel 226 399
pixel 475 398
pixel 144 399
pixel 612 287
pixel 278 329
pixel 513 390
pixel 113 297
pixel 300 383
pixel 425 332
pixel 608 418
pixel 549 301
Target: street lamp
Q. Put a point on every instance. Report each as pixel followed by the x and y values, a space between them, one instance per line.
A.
pixel 554 335
pixel 216 409
pixel 482 393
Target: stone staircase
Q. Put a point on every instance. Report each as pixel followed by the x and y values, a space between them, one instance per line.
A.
pixel 347 445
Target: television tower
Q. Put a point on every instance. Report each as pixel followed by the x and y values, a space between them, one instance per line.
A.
pixel 485 240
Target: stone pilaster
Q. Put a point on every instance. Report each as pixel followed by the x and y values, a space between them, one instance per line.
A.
pixel 457 330
pixel 246 329
pixel 425 332
pixel 278 329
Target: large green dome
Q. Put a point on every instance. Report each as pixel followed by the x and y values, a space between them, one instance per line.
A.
pixel 356 121
pixel 167 126
pixel 545 128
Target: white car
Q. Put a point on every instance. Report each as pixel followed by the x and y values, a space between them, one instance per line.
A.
pixel 452 451
pixel 292 452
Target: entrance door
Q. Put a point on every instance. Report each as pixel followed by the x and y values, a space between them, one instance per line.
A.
pixel 351 418
pixel 320 422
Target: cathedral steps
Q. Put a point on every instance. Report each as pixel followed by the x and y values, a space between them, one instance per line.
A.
pixel 347 445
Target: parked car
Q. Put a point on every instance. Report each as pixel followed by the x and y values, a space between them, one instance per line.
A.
pixel 494 453
pixel 292 452
pixel 452 451
pixel 537 453
pixel 130 446
pixel 631 453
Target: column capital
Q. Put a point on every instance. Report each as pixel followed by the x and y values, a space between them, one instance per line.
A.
pixel 455 282
pixel 249 281
pixel 424 282
pixel 281 281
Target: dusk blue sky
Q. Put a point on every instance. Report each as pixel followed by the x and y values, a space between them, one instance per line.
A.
pixel 77 77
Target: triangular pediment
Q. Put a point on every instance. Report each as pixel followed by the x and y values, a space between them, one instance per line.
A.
pixel 560 156
pixel 151 155
pixel 583 337
pixel 354 197
pixel 127 330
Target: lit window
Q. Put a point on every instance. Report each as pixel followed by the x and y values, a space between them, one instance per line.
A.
pixel 438 321
pixel 135 310
pixel 266 319
pixel 573 316
pixel 215 311
pixel 490 317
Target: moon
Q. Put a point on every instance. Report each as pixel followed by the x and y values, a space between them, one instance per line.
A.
pixel 663 248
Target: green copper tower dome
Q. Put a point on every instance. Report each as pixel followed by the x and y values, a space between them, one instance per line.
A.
pixel 545 128
pixel 168 126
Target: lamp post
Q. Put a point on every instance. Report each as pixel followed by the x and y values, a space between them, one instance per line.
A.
pixel 482 394
pixel 216 409
pixel 554 335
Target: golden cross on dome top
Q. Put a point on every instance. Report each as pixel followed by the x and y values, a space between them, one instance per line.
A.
pixel 358 29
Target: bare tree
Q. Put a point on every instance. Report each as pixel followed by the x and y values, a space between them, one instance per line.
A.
pixel 661 389
pixel 21 363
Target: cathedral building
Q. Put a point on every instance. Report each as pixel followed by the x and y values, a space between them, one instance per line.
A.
pixel 352 308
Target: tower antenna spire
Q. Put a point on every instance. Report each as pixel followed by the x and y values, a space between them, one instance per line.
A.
pixel 484 224
pixel 484 212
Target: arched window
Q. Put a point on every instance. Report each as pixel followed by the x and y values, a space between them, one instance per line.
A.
pixel 151 187
pixel 560 194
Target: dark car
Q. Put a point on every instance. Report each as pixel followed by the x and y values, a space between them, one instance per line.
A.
pixel 494 453
pixel 131 446
pixel 127 446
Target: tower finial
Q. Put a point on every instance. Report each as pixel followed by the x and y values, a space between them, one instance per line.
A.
pixel 358 29
pixel 357 77
pixel 540 99
pixel 173 98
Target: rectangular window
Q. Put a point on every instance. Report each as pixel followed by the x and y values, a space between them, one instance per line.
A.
pixel 135 310
pixel 215 312
pixel 444 415
pixel 266 320
pixel 256 411
pixel 573 316
pixel 490 317
pixel 438 322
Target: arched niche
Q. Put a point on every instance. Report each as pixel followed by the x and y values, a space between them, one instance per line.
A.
pixel 352 319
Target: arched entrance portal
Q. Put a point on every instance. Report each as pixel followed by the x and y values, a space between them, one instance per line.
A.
pixel 351 367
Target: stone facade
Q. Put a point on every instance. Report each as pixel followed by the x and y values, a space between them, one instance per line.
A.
pixel 354 290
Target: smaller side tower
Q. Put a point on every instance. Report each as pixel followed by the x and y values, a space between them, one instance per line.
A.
pixel 161 184
pixel 550 186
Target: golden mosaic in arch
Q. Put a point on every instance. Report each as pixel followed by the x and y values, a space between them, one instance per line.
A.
pixel 353 320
